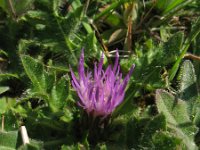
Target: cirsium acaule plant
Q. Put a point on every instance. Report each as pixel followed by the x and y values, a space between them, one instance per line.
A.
pixel 102 91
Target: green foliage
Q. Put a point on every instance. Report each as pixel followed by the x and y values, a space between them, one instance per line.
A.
pixel 167 5
pixel 40 79
pixel 59 94
pixel 16 8
pixel 188 86
pixel 164 141
pixel 41 39
pixel 8 140
pixel 172 48
pixel 3 89
pixel 181 125
pixel 193 34
pixel 6 104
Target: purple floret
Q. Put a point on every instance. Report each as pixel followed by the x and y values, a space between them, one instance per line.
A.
pixel 101 92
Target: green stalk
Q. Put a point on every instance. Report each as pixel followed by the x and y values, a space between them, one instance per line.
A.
pixel 110 8
pixel 172 13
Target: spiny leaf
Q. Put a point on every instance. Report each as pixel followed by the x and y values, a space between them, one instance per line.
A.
pixel 35 72
pixel 41 80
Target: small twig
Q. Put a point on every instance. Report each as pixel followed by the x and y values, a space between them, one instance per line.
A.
pixel 24 135
pixel 143 2
pixel 171 28
pixel 129 33
pixel 2 60
pixel 126 55
pixel 2 122
pixel 114 51
pixel 154 35
pixel 191 56
pixel 86 7
pixel 144 18
pixel 98 36
pixel 10 2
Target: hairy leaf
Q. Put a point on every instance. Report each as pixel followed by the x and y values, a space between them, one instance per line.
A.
pixel 8 140
pixel 41 80
pixel 175 111
pixel 59 94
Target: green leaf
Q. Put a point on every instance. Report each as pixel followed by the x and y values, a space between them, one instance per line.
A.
pixel 175 111
pixel 187 82
pixel 196 119
pixel 36 16
pixel 167 5
pixel 3 53
pixel 6 103
pixel 7 76
pixel 22 6
pixel 165 141
pixel 188 86
pixel 114 20
pixel 58 4
pixel 41 80
pixel 33 145
pixel 114 5
pixel 3 89
pixel 29 147
pixel 16 8
pixel 59 94
pixel 156 124
pixel 72 147
pixel 117 131
pixel 69 28
pixel 9 120
pixel 135 128
pixel 8 140
pixel 193 34
pixel 67 116
pixel 113 35
pixel 3 106
pixel 172 48
pixel 3 4
pixel 90 44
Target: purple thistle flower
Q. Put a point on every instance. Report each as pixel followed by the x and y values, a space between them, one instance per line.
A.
pixel 101 93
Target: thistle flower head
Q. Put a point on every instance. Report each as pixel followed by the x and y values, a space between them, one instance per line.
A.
pixel 102 91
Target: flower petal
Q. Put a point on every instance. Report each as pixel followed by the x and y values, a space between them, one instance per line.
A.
pixel 101 94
